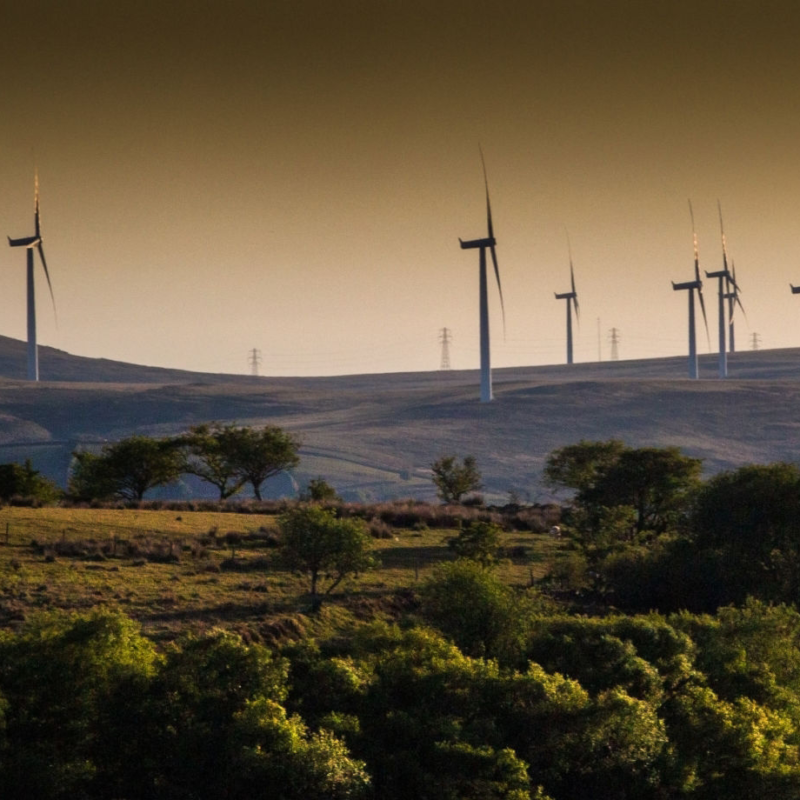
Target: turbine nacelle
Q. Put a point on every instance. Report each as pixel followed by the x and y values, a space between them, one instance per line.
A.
pixel 723 273
pixel 27 241
pixel 474 244
pixel 567 296
pixel 688 285
pixel 795 289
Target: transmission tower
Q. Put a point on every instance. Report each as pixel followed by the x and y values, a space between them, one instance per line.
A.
pixel 614 337
pixel 254 359
pixel 445 337
pixel 755 341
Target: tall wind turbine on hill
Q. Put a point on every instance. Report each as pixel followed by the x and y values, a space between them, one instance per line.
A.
pixel 726 280
pixel 571 298
pixel 733 301
pixel 482 245
pixel 29 243
pixel 691 287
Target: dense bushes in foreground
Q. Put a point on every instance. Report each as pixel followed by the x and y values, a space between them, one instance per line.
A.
pixel 685 706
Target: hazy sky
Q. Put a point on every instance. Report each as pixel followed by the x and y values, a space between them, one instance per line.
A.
pixel 293 175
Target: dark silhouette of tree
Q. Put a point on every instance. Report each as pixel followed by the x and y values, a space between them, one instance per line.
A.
pixel 257 454
pixel 454 480
pixel 211 450
pixel 127 469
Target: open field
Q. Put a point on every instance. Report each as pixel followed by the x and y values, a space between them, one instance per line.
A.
pixel 374 436
pixel 173 571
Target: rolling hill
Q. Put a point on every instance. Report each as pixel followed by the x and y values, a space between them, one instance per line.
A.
pixel 374 436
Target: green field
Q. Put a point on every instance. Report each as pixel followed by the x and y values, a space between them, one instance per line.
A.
pixel 177 570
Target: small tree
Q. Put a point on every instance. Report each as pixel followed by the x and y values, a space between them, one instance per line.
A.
pixel 22 480
pixel 319 491
pixel 258 454
pixel 318 544
pixel 477 542
pixel 454 480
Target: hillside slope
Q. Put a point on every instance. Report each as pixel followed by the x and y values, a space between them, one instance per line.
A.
pixel 374 436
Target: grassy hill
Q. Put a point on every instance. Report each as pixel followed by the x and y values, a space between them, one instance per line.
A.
pixel 374 436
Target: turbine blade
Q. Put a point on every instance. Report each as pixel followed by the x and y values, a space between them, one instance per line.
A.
pixel 47 275
pixel 722 232
pixel 488 204
pixel 577 309
pixel 738 302
pixel 36 201
pixel 694 242
pixel 499 288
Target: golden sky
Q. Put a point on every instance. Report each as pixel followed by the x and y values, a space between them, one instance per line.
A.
pixel 294 175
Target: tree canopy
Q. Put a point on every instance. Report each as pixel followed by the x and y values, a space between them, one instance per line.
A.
pixel 318 544
pixel 453 480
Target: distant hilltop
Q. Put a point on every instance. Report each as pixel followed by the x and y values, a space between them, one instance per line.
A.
pixel 374 437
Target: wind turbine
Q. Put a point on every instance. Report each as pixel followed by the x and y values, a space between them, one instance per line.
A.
pixel 733 301
pixel 29 243
pixel 725 282
pixel 571 298
pixel 482 245
pixel 690 287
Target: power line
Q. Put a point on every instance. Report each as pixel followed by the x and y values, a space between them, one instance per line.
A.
pixel 755 341
pixel 445 337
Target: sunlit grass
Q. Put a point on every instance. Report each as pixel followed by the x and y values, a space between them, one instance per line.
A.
pixel 192 570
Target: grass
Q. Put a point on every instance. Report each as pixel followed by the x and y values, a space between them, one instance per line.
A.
pixel 193 570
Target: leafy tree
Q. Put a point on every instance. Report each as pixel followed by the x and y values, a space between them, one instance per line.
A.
pixel 454 480
pixel 578 466
pixel 318 544
pixel 127 469
pixel 319 490
pixel 751 517
pixel 478 542
pixel 277 751
pixel 22 480
pixel 211 455
pixel 656 482
pixel 58 674
pixel 483 616
pixel 89 479
pixel 256 454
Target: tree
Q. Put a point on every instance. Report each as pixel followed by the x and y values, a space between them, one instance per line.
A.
pixel 751 518
pixel 315 542
pixel 22 480
pixel 258 454
pixel 577 466
pixel 319 491
pixel 454 480
pixel 478 542
pixel 473 606
pixel 657 482
pixel 126 469
pixel 211 455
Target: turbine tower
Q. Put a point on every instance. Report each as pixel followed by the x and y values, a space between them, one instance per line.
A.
pixel 725 279
pixel 690 287
pixel 571 298
pixel 731 291
pixel 29 243
pixel 482 245
pixel 733 301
